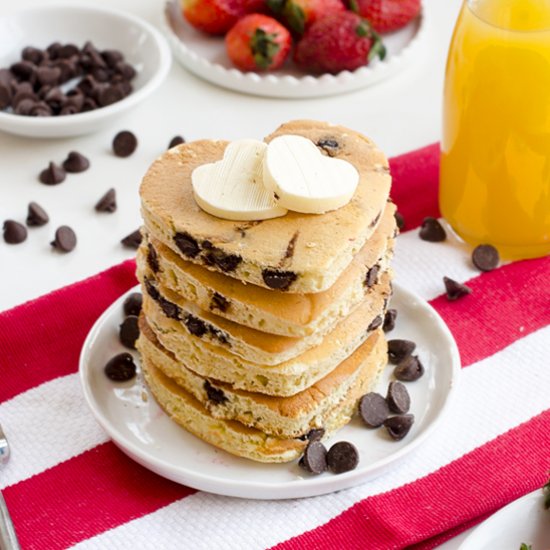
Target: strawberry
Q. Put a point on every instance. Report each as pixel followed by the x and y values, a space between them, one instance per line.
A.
pixel 300 14
pixel 213 16
pixel 386 15
pixel 258 42
pixel 338 42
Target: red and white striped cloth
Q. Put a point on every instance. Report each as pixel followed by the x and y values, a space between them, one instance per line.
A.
pixel 69 486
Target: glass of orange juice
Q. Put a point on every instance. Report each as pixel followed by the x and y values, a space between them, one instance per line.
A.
pixel 495 148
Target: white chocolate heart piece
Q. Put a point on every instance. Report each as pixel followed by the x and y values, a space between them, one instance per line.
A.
pixel 304 179
pixel 232 187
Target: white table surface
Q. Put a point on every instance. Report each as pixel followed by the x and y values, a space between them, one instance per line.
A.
pixel 400 114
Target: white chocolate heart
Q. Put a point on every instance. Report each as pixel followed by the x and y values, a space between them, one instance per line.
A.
pixel 232 188
pixel 304 179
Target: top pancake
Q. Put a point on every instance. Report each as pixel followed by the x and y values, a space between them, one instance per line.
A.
pixel 298 253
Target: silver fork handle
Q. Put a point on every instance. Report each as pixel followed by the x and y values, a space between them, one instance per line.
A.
pixel 8 538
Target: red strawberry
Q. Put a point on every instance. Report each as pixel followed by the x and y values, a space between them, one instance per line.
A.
pixel 300 14
pixel 213 16
pixel 338 42
pixel 386 15
pixel 258 42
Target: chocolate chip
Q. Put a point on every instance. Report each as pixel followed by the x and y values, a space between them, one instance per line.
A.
pixel 342 457
pixel 88 105
pixel 389 320
pixel 132 304
pixel 214 394
pixel 41 109
pixel 152 258
pixel 196 326
pixel 14 232
pixel 75 162
pixel 170 309
pixel 398 398
pixel 24 70
pixel 52 175
pixel 315 434
pixel 375 323
pixel 5 96
pixel 409 369
pixel 187 244
pixel 48 75
pixel 67 69
pixel 87 85
pixel 399 350
pixel 219 302
pixel 53 50
pixel 314 459
pixel 133 240
pixel 65 239
pixel 107 96
pixel 330 146
pixel 111 57
pixel 23 91
pixel 373 409
pixel 432 231
pixel 152 290
pixel 124 144
pixel 176 140
pixel 372 276
pixel 120 368
pixel 399 426
pixel 454 289
pixel 34 55
pixel 24 107
pixel 278 280
pixel 36 215
pixel 129 332
pixel 223 261
pixel 399 220
pixel 125 70
pixel 68 50
pixel 485 257
pixel 107 203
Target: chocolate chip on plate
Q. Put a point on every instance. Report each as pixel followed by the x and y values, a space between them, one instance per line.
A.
pixel 342 457
pixel 36 215
pixel 129 331
pixel 398 398
pixel 399 349
pixel 454 289
pixel 124 143
pixel 133 240
pixel 120 368
pixel 409 369
pixel 399 220
pixel 432 231
pixel 132 304
pixel 389 320
pixel 485 257
pixel 176 140
pixel 373 409
pixel 65 239
pixel 314 459
pixel 399 426
pixel 52 175
pixel 14 232
pixel 75 162
pixel 107 203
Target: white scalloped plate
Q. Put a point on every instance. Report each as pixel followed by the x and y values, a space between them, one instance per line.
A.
pixel 205 56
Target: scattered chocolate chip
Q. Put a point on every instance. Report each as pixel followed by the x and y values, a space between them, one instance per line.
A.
pixel 187 244
pixel 219 302
pixel 315 434
pixel 176 140
pixel 120 368
pixel 485 257
pixel 133 240
pixel 409 369
pixel 431 230
pixel 399 350
pixel 52 175
pixel 398 398
pixel 107 203
pixel 314 459
pixel 454 289
pixel 75 162
pixel 342 457
pixel 389 320
pixel 372 276
pixel 132 304
pixel 36 215
pixel 399 426
pixel 124 143
pixel 399 220
pixel 65 239
pixel 278 280
pixel 215 395
pixel 373 409
pixel 223 261
pixel 375 323
pixel 330 146
pixel 129 331
pixel 14 232
pixel 152 258
pixel 196 326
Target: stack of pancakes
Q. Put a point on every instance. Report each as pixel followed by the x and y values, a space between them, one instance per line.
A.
pixel 255 335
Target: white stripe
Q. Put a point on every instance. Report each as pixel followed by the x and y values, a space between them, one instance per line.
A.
pixel 494 395
pixel 46 425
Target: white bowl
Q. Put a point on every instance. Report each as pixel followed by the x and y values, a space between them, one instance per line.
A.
pixel 142 45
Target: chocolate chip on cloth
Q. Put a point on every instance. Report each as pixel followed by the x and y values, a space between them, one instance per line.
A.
pixel 36 215
pixel 399 426
pixel 132 304
pixel 52 175
pixel 399 350
pixel 129 331
pixel 133 240
pixel 454 289
pixel 75 163
pixel 342 457
pixel 398 398
pixel 65 239
pixel 485 257
pixel 389 320
pixel 431 230
pixel 120 368
pixel 314 459
pixel 124 144
pixel 374 409
pixel 14 232
pixel 107 203
pixel 409 369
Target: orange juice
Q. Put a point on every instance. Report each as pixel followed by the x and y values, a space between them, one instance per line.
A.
pixel 495 148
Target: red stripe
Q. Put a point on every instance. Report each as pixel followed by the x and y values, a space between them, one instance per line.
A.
pixel 98 490
pixel 474 485
pixel 41 340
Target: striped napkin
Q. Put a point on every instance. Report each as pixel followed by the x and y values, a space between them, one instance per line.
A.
pixel 69 486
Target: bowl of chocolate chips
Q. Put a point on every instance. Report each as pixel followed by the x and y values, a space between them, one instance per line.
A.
pixel 68 70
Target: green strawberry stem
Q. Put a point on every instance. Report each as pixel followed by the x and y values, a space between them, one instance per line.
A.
pixel 264 48
pixel 295 17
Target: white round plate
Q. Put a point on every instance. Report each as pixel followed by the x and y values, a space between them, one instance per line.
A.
pixel 206 57
pixel 132 418
pixel 523 521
